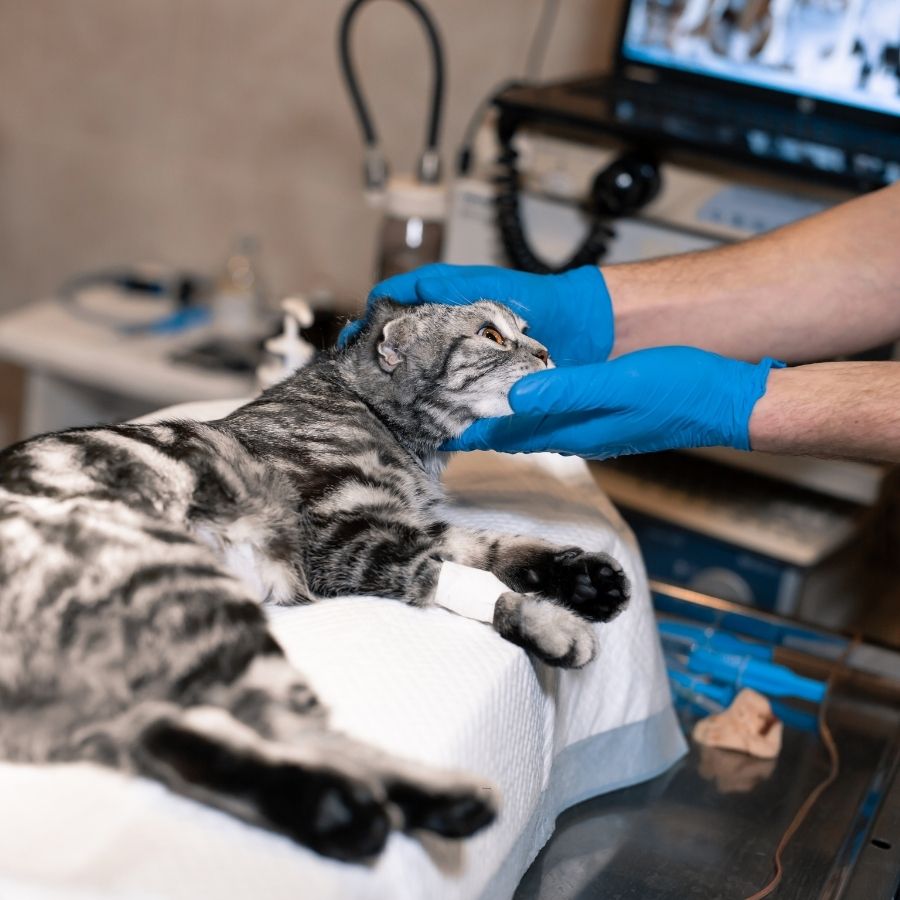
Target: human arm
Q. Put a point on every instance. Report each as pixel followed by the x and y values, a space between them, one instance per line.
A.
pixel 825 286
pixel 656 399
pixel 677 397
pixel 821 287
pixel 847 410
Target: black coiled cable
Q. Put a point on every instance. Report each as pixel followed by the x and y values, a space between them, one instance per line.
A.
pixel 512 230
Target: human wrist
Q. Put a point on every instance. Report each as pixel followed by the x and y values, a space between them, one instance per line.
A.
pixel 588 286
pixel 768 424
pixel 755 386
pixel 619 281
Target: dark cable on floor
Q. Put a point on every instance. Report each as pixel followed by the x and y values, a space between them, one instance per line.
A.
pixel 834 768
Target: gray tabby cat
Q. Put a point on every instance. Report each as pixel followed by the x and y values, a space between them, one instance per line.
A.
pixel 126 639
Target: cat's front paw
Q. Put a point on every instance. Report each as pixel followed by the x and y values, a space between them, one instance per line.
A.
pixel 590 584
pixel 551 632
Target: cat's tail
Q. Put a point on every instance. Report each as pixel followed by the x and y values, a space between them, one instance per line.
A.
pixel 327 792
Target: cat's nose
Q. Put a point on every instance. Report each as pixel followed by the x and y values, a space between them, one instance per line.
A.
pixel 541 354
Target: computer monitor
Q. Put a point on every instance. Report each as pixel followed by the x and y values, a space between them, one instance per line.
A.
pixel 843 52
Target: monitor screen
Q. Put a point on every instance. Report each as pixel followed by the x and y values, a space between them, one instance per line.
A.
pixel 843 51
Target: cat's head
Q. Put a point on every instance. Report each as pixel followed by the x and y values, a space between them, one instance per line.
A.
pixel 462 359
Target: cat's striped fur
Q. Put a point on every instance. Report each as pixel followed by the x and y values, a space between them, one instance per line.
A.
pixel 127 639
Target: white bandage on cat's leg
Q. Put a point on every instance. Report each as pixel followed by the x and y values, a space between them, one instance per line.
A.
pixel 556 634
pixel 472 593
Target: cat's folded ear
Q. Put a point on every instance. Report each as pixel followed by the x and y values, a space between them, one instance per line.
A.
pixel 396 335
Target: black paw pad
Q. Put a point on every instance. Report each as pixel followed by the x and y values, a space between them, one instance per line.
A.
pixel 591 584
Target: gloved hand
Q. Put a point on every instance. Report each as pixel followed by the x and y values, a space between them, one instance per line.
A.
pixel 570 314
pixel 663 398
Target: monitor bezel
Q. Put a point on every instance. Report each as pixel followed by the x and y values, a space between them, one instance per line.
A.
pixel 804 105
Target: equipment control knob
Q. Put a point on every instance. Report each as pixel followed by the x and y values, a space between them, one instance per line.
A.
pixel 625 186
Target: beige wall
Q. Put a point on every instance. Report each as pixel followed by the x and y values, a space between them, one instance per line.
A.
pixel 160 129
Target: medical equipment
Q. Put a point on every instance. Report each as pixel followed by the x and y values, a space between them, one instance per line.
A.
pixel 712 639
pixel 755 540
pixel 676 85
pixel 744 671
pixel 800 98
pixel 711 697
pixel 622 188
pixel 705 697
pixel 808 650
pixel 689 90
pixel 414 209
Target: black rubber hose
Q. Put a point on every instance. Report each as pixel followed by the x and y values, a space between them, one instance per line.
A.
pixel 432 137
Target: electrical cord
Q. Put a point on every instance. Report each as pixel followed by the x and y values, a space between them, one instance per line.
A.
pixel 540 40
pixel 537 53
pixel 834 768
pixel 515 242
pixel 376 166
pixel 465 154
pixel 622 188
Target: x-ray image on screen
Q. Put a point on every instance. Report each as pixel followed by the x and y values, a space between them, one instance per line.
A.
pixel 846 51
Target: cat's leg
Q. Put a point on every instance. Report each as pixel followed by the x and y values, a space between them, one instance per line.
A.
pixel 273 699
pixel 177 677
pixel 591 584
pixel 402 558
pixel 398 558
pixel 361 552
pixel 261 750
pixel 558 591
pixel 206 754
pixel 551 632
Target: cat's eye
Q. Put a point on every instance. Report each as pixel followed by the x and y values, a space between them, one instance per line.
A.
pixel 492 334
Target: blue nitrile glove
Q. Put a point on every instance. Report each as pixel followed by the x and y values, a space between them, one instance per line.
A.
pixel 663 398
pixel 570 314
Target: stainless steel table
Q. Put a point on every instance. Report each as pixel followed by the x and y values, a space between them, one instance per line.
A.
pixel 707 828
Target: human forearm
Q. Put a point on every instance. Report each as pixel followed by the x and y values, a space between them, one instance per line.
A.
pixel 844 409
pixel 825 286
